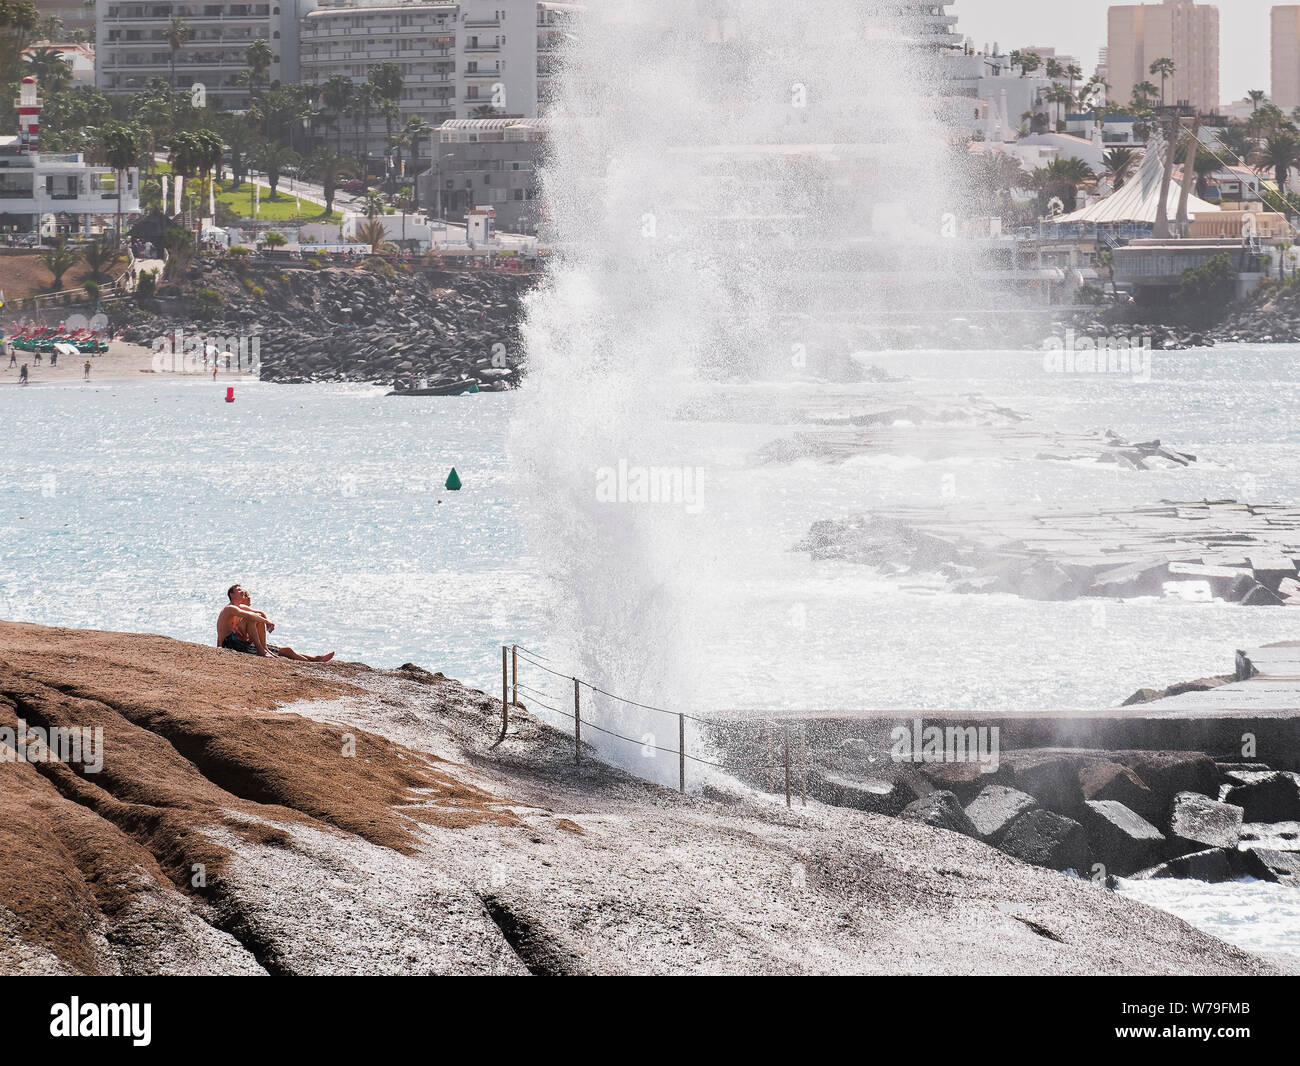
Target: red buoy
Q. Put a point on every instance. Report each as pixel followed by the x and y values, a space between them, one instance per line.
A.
pixel 230 394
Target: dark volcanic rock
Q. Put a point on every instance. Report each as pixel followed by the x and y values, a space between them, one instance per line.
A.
pixel 1114 781
pixel 1122 840
pixel 1197 822
pixel 941 810
pixel 1050 775
pixel 1212 864
pixel 995 808
pixel 1270 865
pixel 876 794
pixel 1045 838
pixel 1274 797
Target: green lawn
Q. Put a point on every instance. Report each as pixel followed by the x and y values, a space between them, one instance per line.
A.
pixel 285 209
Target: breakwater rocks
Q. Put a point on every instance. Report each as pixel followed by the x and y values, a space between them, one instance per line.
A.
pixel 404 327
pixel 1270 317
pixel 1099 813
pixel 1198 551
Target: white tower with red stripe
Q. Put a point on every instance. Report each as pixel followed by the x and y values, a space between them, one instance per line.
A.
pixel 29 117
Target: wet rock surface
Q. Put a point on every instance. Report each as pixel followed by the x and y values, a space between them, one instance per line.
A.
pixel 1200 550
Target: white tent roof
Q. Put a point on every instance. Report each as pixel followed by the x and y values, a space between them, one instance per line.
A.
pixel 1139 198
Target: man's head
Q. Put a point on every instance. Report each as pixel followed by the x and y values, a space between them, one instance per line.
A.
pixel 237 595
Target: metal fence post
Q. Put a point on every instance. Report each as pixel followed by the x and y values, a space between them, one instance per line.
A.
pixel 514 671
pixel 785 744
pixel 681 752
pixel 767 752
pixel 505 696
pixel 577 723
pixel 803 763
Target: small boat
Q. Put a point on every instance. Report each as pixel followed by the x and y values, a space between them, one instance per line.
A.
pixel 455 388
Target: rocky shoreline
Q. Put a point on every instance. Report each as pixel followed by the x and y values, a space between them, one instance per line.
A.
pixel 1099 813
pixel 401 326
pixel 256 816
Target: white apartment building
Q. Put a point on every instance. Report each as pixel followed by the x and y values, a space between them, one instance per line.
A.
pixel 456 56
pixel 132 48
pixel 55 193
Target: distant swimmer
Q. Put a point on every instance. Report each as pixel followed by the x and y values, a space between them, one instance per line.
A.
pixel 243 629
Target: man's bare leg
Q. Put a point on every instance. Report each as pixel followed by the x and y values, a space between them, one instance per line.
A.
pixel 257 634
pixel 289 653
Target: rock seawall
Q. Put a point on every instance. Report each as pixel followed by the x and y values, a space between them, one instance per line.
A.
pixel 403 326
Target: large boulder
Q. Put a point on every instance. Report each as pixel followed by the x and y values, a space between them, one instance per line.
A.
pixel 1045 838
pixel 1212 864
pixel 1109 781
pixel 941 810
pixel 1269 865
pixel 1050 775
pixel 1167 773
pixel 878 795
pixel 994 810
pixel 1267 797
pixel 1121 840
pixel 1197 822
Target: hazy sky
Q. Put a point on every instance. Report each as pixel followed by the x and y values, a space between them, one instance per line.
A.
pixel 1078 27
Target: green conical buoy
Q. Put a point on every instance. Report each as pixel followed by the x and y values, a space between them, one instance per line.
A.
pixel 453 480
pixel 473 388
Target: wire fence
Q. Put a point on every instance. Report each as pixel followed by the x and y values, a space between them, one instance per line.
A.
pixel 580 715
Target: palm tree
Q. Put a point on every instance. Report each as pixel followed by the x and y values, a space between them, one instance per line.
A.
pixel 1281 154
pixel 1165 68
pixel 1054 69
pixel 336 95
pixel 211 154
pixel 259 57
pixel 1073 73
pixel 274 157
pixel 46 65
pixel 387 80
pixel 1143 93
pixel 416 130
pixel 176 34
pixel 360 107
pixel 59 260
pixel 1061 178
pixel 120 150
pixel 1205 165
pixel 1060 96
pixel 1030 62
pixel 1256 97
pixel 371 232
pixel 239 139
pixel 374 205
pixel 99 254
pixel 328 165
pixel 1118 162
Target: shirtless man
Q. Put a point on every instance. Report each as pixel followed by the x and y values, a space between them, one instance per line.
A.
pixel 240 628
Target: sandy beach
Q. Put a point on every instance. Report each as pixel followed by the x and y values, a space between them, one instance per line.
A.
pixel 122 361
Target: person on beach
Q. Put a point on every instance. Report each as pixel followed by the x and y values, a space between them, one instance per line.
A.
pixel 243 629
pixel 22 374
pixel 86 371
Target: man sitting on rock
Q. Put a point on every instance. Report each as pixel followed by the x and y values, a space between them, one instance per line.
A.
pixel 242 629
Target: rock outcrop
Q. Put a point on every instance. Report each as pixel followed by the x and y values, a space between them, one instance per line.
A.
pixel 262 816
